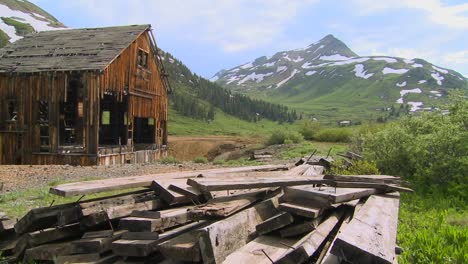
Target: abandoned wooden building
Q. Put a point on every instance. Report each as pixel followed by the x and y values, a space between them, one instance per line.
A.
pixel 94 96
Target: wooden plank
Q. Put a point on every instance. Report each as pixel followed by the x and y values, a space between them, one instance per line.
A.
pixel 146 214
pixel 262 250
pixel 93 258
pixel 94 206
pixel 140 236
pixel 169 218
pixel 371 234
pixel 134 247
pixel 221 238
pixel 385 187
pixel 80 188
pixel 364 178
pixel 300 228
pixel 182 248
pixel 161 188
pixel 47 252
pixel 87 245
pixel 325 195
pixel 228 205
pixel 54 234
pixel 7 225
pixel 306 247
pixel 302 210
pixel 207 185
pixel 186 190
pixel 46 217
pixel 274 223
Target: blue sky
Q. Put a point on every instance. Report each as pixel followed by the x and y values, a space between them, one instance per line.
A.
pixel 210 35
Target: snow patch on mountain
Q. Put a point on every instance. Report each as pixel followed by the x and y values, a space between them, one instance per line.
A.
pixel 334 57
pixel 388 70
pixel 422 81
pixel 294 72
pixel 309 73
pixel 360 72
pixel 281 68
pixel 255 77
pixel 350 61
pixel 416 65
pixel 388 60
pixel 403 92
pixel 247 66
pixel 439 69
pixel 269 64
pixel 437 77
pixel 403 84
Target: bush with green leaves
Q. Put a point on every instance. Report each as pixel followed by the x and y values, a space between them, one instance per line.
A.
pixel 358 167
pixel 430 150
pixel 200 159
pixel 309 128
pixel 284 137
pixel 169 160
pixel 334 135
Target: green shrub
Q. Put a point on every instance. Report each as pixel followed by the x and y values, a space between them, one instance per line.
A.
pixel 21 29
pixel 284 137
pixel 359 167
pixel 431 150
pixel 334 135
pixel 219 162
pixel 169 160
pixel 200 159
pixel 309 129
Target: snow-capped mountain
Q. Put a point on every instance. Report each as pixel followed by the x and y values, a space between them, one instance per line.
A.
pixel 328 73
pixel 19 18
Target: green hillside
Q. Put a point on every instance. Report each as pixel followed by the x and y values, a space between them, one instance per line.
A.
pixel 329 82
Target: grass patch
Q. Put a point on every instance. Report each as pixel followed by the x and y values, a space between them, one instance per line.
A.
pixel 307 147
pixel 169 160
pixel 433 229
pixel 200 159
pixel 4 39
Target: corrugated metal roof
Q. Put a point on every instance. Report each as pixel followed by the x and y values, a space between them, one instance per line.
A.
pixel 68 50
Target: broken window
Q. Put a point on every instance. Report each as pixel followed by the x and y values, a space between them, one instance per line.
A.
pixel 142 58
pixel 113 125
pixel 71 113
pixel 43 121
pixel 144 130
pixel 12 110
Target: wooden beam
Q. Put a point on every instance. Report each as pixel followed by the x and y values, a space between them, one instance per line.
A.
pixel 221 238
pixel 325 195
pixel 371 234
pixel 47 252
pixel 276 222
pixel 382 186
pixel 161 188
pixel 169 218
pixel 364 178
pixel 92 244
pixel 302 210
pixel 186 190
pixel 182 248
pixel 306 247
pixel 300 228
pixel 208 185
pixel 96 186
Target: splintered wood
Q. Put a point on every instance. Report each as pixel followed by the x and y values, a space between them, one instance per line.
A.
pixel 256 214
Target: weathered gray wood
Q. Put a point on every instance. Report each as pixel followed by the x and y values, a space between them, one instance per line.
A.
pixel 80 188
pixel 207 185
pixel 46 217
pixel 95 206
pixel 97 234
pixel 140 236
pixel 305 248
pixel 262 250
pixel 54 234
pixel 325 195
pixel 302 210
pixel 385 187
pixel 134 247
pixel 300 228
pixel 161 188
pixel 87 245
pixel 221 238
pixel 182 248
pixel 186 190
pixel 227 205
pixel 371 234
pixel 364 178
pixel 274 223
pixel 169 218
pixel 93 258
pixel 7 225
pixel 47 252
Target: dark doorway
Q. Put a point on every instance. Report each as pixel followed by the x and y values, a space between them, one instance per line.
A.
pixel 113 125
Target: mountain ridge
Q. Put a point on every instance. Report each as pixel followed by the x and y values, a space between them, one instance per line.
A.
pixel 327 71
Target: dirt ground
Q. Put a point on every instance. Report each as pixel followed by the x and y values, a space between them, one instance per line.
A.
pixel 20 177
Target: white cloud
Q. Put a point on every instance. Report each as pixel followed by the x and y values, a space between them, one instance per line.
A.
pixel 233 25
pixel 459 57
pixel 453 16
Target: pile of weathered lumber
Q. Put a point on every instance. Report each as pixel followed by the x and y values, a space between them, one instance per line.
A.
pixel 257 214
